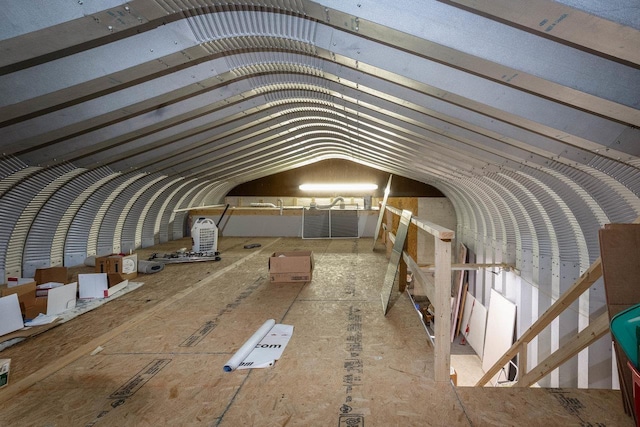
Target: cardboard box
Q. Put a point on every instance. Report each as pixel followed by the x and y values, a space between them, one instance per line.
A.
pixel 39 306
pixel 114 279
pixel 102 264
pixel 42 290
pixel 291 267
pixel 26 294
pixel 4 372
pixel 51 274
pixel 17 281
pixel 125 265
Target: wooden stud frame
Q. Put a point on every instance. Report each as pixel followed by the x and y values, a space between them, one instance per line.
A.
pixel 438 291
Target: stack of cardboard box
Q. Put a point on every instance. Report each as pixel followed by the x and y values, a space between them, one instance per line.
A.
pixel 30 304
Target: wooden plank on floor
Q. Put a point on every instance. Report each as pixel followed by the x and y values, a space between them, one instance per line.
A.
pixel 346 364
pixel 505 406
pixel 55 365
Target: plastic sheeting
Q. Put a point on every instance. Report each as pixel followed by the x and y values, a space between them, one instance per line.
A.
pixel 263 348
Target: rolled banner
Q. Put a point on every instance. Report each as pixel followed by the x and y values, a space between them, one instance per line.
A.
pixel 248 346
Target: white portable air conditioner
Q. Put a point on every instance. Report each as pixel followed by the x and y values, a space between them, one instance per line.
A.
pixel 204 234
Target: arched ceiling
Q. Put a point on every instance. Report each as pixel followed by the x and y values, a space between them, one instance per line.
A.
pixel 232 91
pixel 116 117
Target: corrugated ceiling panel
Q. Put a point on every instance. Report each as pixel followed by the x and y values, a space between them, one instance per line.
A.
pixel 284 97
pixel 532 196
pixel 9 165
pixel 110 233
pixel 82 238
pixel 492 205
pixel 19 206
pixel 150 230
pixel 477 206
pixel 59 210
pixel 528 234
pixel 603 189
pixel 136 210
pixel 583 216
pixel 46 226
pixel 165 227
pixel 192 196
pixel 464 218
pixel 522 226
pixel 233 25
pixel 566 232
pixel 623 173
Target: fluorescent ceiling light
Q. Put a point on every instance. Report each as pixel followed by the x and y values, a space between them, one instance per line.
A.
pixel 338 187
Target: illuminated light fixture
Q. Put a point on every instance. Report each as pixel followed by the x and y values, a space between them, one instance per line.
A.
pixel 338 187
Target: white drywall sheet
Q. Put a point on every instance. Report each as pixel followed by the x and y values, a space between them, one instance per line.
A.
pixel 501 324
pixel 10 315
pixel 92 285
pixel 474 322
pixel 61 299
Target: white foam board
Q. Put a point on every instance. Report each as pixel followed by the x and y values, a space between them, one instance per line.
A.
pixel 10 315
pixel 61 298
pixel 474 322
pixel 500 328
pixel 92 285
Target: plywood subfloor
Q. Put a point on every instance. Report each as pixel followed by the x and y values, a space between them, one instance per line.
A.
pixel 163 347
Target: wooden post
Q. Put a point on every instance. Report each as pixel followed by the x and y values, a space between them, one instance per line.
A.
pixel 522 360
pixel 402 275
pixel 439 294
pixel 389 245
pixel 442 307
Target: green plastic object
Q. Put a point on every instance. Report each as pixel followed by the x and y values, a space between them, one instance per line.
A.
pixel 625 327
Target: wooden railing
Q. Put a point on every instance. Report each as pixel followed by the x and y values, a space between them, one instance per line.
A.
pixel 438 291
pixel 596 329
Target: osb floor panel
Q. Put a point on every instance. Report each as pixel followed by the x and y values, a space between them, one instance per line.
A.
pixel 164 346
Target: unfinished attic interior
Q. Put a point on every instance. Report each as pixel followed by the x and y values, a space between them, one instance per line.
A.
pixel 502 139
